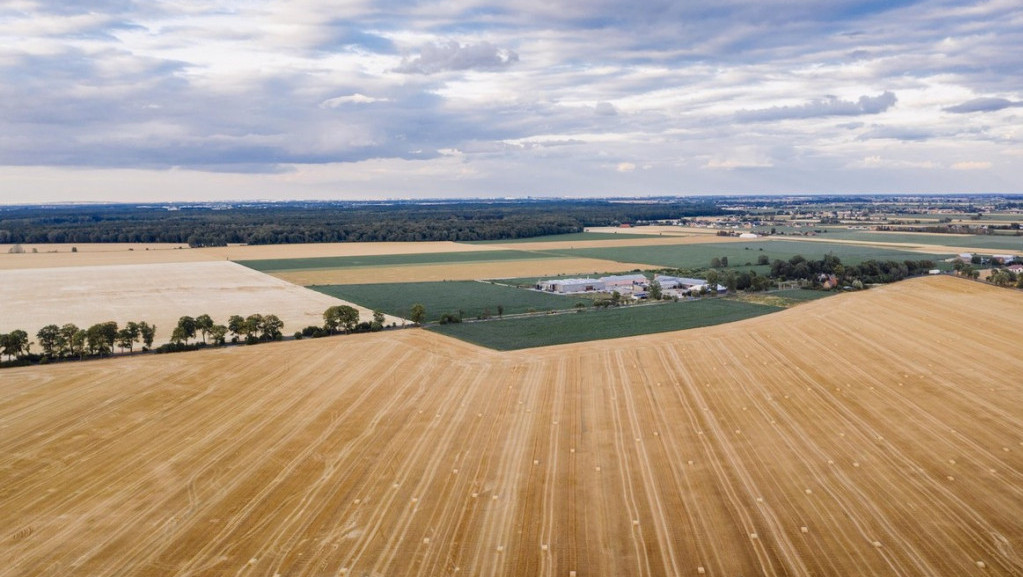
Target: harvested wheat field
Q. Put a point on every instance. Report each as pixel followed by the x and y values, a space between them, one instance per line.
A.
pixel 867 434
pixel 156 293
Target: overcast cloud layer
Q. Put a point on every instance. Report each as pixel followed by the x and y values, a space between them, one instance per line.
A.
pixel 188 100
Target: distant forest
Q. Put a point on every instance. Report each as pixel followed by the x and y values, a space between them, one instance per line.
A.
pixel 283 223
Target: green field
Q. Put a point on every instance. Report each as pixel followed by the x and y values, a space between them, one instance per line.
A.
pixel 590 325
pixel 739 253
pixel 991 242
pixel 342 262
pixel 470 297
pixel 571 237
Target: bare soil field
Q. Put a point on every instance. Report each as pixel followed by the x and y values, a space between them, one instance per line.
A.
pixel 866 434
pixel 156 293
pixel 459 271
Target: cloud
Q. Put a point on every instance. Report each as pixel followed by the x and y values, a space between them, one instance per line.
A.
pixel 605 109
pixel 983 105
pixel 350 99
pixel 625 167
pixel 971 165
pixel 827 106
pixel 453 55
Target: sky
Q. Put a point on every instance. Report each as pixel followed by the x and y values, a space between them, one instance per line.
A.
pixel 178 100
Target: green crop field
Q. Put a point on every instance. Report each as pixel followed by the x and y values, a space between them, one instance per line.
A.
pixel 991 242
pixel 470 297
pixel 341 262
pixel 590 325
pixel 575 236
pixel 739 253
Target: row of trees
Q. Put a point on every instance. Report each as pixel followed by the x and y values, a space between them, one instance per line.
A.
pixel 302 222
pixel 70 341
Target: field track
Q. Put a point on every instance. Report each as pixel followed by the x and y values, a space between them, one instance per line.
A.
pixel 874 433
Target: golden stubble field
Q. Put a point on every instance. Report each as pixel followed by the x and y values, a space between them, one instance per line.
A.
pixel 866 434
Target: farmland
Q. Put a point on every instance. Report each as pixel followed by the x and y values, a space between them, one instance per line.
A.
pixel 156 293
pixel 439 298
pixel 740 253
pixel 546 330
pixel 869 433
pixel 975 241
pixel 383 260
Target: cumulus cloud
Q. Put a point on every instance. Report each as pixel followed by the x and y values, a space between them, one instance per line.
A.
pixel 827 106
pixel 625 167
pixel 453 55
pixel 983 105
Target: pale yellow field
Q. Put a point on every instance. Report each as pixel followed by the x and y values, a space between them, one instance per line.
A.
pixel 625 240
pixel 156 293
pixel 59 255
pixel 459 271
pixel 874 433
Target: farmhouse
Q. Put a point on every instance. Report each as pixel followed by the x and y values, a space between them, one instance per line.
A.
pixel 1003 258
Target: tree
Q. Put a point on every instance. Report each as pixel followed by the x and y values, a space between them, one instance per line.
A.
pixel 252 325
pixel 724 261
pixel 271 328
pixel 126 339
pixel 236 324
pixel 378 321
pixel 203 324
pixel 128 336
pixel 715 262
pixel 49 339
pixel 66 343
pixel 78 343
pixel 762 260
pixel 100 337
pixel 15 343
pixel 712 279
pixel 616 298
pixel 500 311
pixel 219 334
pixel 340 316
pixel 147 332
pixel 178 335
pixel 186 328
pixel 417 314
pixel 655 291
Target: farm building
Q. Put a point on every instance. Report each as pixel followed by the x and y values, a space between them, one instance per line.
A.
pixel 1003 258
pixel 624 281
pixel 570 285
pixel 675 282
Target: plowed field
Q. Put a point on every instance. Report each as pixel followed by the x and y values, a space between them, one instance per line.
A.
pixel 875 433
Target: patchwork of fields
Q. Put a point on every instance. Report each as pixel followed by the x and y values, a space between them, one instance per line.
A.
pixel 869 433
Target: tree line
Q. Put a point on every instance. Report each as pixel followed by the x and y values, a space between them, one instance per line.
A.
pixel 283 223
pixel 69 342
